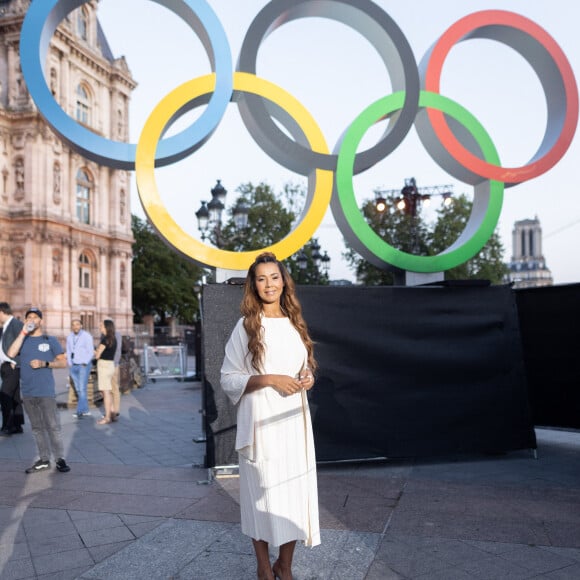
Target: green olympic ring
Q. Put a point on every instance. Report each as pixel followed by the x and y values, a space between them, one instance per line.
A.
pixel 487 202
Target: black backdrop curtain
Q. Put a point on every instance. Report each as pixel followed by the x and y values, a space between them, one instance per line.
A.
pixel 404 371
pixel 550 327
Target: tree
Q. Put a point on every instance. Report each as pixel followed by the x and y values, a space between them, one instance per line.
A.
pixel 401 230
pixel 270 219
pixel 410 234
pixel 163 280
pixel 487 264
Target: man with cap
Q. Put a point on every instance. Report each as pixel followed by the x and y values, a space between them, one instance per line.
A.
pixel 39 354
pixel 10 401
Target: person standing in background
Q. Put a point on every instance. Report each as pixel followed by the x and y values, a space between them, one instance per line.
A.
pixel 116 381
pixel 105 355
pixel 10 399
pixel 39 354
pixel 79 356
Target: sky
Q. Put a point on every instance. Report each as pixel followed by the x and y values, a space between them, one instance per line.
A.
pixel 336 73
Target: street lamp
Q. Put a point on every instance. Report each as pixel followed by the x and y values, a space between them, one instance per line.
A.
pixel 240 213
pixel 325 263
pixel 316 255
pixel 202 215
pixel 209 215
pixel 320 262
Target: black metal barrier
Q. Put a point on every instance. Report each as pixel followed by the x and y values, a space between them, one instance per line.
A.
pixel 404 371
pixel 550 327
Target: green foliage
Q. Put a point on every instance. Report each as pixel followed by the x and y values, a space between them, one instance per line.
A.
pixel 270 219
pixel 163 280
pixel 402 231
pixel 410 234
pixel 487 264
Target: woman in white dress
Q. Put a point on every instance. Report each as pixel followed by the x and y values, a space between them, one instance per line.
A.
pixel 268 367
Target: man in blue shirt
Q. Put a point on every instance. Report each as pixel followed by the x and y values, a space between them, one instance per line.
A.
pixel 39 354
pixel 79 355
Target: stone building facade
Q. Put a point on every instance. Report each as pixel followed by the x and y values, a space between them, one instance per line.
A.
pixel 528 267
pixel 65 221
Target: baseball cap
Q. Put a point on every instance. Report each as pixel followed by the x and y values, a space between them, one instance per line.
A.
pixel 36 311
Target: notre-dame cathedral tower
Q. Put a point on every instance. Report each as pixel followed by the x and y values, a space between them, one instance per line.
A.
pixel 65 222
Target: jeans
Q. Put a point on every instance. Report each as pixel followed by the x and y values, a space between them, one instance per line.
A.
pixel 45 425
pixel 80 376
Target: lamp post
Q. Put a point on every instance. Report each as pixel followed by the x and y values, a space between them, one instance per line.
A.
pixel 210 214
pixel 320 262
pixel 209 222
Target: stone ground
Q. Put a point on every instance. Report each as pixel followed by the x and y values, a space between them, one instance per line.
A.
pixel 138 504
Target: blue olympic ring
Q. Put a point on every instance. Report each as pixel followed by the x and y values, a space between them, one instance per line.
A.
pixel 38 28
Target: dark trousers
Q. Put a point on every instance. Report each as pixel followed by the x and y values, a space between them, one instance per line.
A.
pixel 10 399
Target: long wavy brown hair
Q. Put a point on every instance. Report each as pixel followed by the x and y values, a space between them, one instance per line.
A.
pixel 251 308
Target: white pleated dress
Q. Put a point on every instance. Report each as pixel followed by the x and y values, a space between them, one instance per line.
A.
pixel 278 488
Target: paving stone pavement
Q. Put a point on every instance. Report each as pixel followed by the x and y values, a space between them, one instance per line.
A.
pixel 138 504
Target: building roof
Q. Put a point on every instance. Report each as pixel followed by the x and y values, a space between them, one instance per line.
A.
pixel 103 43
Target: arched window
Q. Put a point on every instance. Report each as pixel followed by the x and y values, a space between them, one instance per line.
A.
pixel 83 23
pixel 83 200
pixel 83 105
pixel 86 268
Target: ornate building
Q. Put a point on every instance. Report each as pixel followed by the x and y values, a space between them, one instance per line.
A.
pixel 65 222
pixel 528 267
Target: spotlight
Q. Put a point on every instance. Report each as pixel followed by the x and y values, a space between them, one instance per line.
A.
pixel 380 204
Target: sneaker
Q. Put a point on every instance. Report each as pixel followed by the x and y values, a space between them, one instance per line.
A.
pixel 62 466
pixel 40 465
pixel 77 415
pixel 87 414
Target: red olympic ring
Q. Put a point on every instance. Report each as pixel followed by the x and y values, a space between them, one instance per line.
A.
pixel 472 26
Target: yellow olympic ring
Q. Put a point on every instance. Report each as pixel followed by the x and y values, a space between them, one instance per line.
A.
pixel 157 123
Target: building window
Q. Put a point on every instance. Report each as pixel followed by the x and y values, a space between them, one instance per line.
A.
pixel 83 24
pixel 123 279
pixel 86 269
pixel 53 81
pixel 122 206
pixel 83 105
pixel 18 265
pixel 56 267
pixel 88 321
pixel 84 189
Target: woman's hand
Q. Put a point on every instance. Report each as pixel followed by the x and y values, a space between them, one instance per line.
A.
pixel 306 379
pixel 286 385
pixel 282 384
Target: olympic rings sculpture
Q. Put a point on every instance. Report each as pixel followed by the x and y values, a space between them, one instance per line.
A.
pixel 451 135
